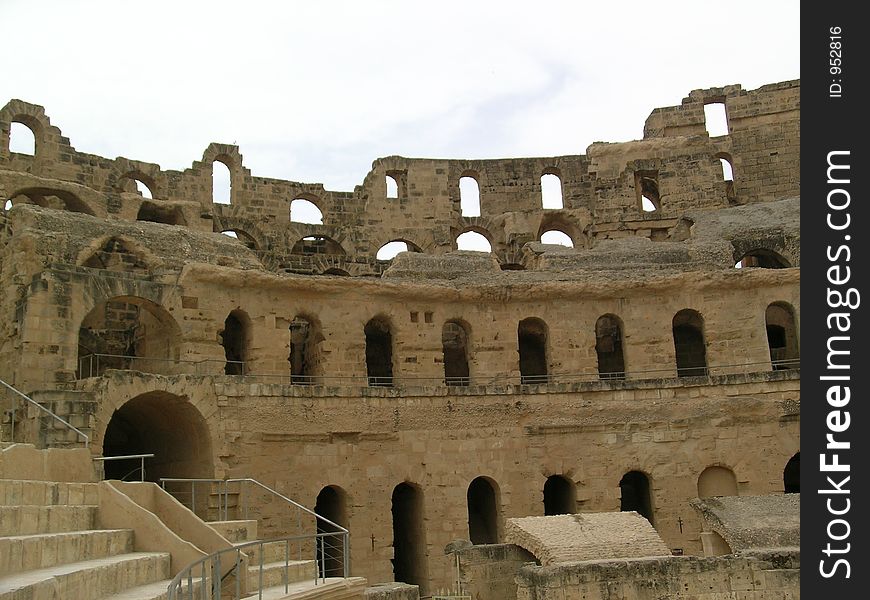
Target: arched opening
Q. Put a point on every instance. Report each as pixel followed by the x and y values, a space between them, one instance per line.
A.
pixel 791 475
pixel 471 240
pixel 763 259
pixel 114 255
pixel 317 246
pixel 243 238
pixel 379 352
pixel 130 333
pixel 557 237
pixel 166 425
pixel 716 119
pixel 305 211
pixel 782 337
pixel 454 344
pixel 469 196
pixel 717 481
pixel 336 271
pixel 409 536
pixel 305 351
pixel 332 505
pixel 389 250
pixel 635 494
pixel 689 345
pixel 221 183
pixel 50 198
pixel 22 140
pixel 483 511
pixel 551 191
pixel 236 340
pixel 608 347
pixel 512 267
pixel 727 170
pixel 7 205
pixel 647 189
pixel 532 348
pixel 160 213
pixel 392 186
pixel 560 496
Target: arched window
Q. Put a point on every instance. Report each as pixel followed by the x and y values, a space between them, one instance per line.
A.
pixel 317 245
pixel 242 237
pixel 471 240
pixel 551 191
pixel 305 211
pixel 782 337
pixel 717 481
pixel 483 511
pixel 763 259
pixel 647 187
pixel 454 343
pixel 22 140
pixel 727 169
pixel 532 344
pixel 409 536
pixel 235 338
pixel 556 237
pixel 331 504
pixel 389 250
pixel 379 352
pixel 689 345
pixel 221 183
pixel 469 196
pixel 716 119
pixel 305 356
pixel 560 496
pixel 635 494
pixel 791 475
pixel 392 186
pixel 608 347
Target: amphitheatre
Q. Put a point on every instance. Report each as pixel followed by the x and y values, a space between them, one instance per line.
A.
pixel 614 417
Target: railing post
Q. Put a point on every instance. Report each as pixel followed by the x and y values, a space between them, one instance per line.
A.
pixel 346 554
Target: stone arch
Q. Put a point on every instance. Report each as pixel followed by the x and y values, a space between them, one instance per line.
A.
pixel 248 227
pixel 318 245
pixel 379 351
pixel 560 496
pixel 129 333
pixel 243 237
pixel 218 194
pixel 715 481
pixel 411 247
pixel 636 494
pixel 552 189
pixel 791 475
pixel 690 346
pixel 482 235
pixel 31 116
pixel 764 258
pixel 609 348
pixel 561 221
pixel 305 203
pixel 727 163
pixel 409 535
pixel 782 336
pixel 484 510
pixel 331 504
pixel 162 423
pixel 306 355
pixel 126 182
pixel 454 347
pixel 52 198
pixel 236 337
pixel 533 346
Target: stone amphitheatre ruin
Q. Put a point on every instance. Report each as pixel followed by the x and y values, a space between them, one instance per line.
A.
pixel 442 395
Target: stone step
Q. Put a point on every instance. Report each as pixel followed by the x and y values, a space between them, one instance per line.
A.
pixel 273 573
pixel 90 579
pixel 271 551
pixel 21 491
pixel 240 530
pixel 159 590
pixel 31 520
pixel 332 588
pixel 40 551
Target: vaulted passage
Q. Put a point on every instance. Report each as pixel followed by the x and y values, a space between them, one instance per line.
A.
pixel 166 425
pixel 409 537
pixel 763 259
pixel 454 343
pixel 635 494
pixel 791 475
pixel 305 351
pixel 331 504
pixel 560 496
pixel 717 481
pixel 483 511
pixel 608 347
pixel 235 338
pixel 782 337
pixel 532 342
pixel 689 344
pixel 127 332
pixel 379 352
pixel 158 213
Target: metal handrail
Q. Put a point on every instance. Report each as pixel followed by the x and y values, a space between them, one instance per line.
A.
pixel 141 457
pixel 45 410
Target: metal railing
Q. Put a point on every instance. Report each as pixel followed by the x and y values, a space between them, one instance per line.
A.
pixel 316 538
pixel 13 409
pixel 93 365
pixel 140 468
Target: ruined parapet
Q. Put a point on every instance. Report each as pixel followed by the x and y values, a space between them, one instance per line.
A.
pixel 750 524
pixel 586 536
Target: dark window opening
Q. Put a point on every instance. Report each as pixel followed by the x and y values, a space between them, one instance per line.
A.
pixel 791 475
pixel 647 186
pixel 560 496
pixel 409 537
pixel 635 494
pixel 532 342
pixel 157 213
pixel 332 505
pixel 608 347
pixel 782 337
pixel 454 343
pixel 763 259
pixel 305 356
pixel 379 353
pixel 234 339
pixel 689 345
pixel 482 512
pixel 317 245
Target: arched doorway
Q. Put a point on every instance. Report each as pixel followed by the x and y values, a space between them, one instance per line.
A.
pixel 483 511
pixel 532 348
pixel 689 344
pixel 608 347
pixel 331 504
pixel 236 340
pixel 717 481
pixel 560 496
pixel 791 475
pixel 379 352
pixel 454 346
pixel 782 336
pixel 635 494
pixel 409 536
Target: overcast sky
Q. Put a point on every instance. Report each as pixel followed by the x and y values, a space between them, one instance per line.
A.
pixel 315 91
